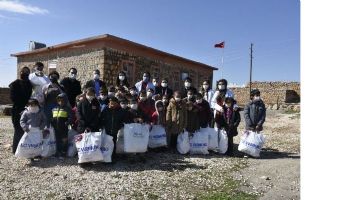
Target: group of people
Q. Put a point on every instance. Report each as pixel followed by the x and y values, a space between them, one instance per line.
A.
pixel 43 101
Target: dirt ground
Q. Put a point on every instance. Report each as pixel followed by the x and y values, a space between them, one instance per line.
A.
pixel 163 175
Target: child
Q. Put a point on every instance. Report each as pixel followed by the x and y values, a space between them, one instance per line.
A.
pixel 111 91
pixel 192 121
pixel 176 118
pixel 135 114
pixel 33 116
pixel 204 111
pixel 61 118
pixel 88 112
pixel 228 120
pixel 165 99
pixel 159 116
pixel 255 112
pixel 103 98
pixel 112 119
pixel 146 104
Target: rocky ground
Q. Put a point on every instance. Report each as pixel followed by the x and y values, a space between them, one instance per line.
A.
pixel 276 175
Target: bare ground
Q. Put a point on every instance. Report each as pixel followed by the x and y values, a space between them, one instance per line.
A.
pixel 165 175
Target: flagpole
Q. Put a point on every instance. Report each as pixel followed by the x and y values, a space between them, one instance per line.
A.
pixel 222 61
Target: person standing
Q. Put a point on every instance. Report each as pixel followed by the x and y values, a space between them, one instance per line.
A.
pixel 96 83
pixel 164 90
pixel 188 86
pixel 88 112
pixel 38 81
pixel 72 86
pixel 157 86
pixel 121 80
pixel 222 92
pixel 145 83
pixel 20 93
pixel 255 112
pixel 206 91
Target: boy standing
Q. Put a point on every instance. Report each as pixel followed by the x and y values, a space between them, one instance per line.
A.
pixel 255 112
pixel 88 112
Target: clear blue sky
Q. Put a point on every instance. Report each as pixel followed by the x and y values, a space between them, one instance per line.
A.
pixel 182 27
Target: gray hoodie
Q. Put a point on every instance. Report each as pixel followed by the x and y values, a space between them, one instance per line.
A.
pixel 32 119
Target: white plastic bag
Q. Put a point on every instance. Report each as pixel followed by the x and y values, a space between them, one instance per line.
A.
pixel 88 147
pixel 199 143
pixel 223 142
pixel 157 137
pixel 49 146
pixel 212 138
pixel 251 143
pixel 183 144
pixel 106 147
pixel 30 144
pixel 120 142
pixel 136 137
pixel 71 152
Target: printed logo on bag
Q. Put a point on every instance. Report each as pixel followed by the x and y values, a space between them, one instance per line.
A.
pixel 88 149
pixel 251 144
pixel 135 134
pixel 37 145
pixel 198 144
pixel 158 136
pixel 78 138
pixel 103 149
pixel 52 142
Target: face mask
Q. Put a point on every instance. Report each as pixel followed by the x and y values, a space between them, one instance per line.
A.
pixel 133 92
pixel 38 72
pixel 111 94
pixel 90 98
pixel 96 76
pixel 134 106
pixel 149 94
pixel 221 87
pixel 24 76
pixel 164 85
pixel 199 101
pixel 124 106
pixel 187 84
pixel 145 78
pixel 177 99
pixel 72 76
pixel 205 87
pixel 189 96
pixel 256 98
pixel 143 98
pixel 121 78
pixel 33 109
pixel 155 83
pixel 103 97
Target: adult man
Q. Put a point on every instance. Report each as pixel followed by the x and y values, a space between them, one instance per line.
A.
pixel 96 83
pixel 145 83
pixel 72 86
pixel 20 93
pixel 38 80
pixel 164 90
pixel 188 86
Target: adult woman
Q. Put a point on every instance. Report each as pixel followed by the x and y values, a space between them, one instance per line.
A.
pixel 121 80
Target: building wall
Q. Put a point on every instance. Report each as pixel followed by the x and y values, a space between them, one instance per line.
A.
pixel 271 92
pixel 5 96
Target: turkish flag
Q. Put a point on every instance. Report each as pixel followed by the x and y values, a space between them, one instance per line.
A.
pixel 219 45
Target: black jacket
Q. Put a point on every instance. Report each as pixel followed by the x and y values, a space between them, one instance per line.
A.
pixel 20 93
pixel 231 125
pixel 254 114
pixel 88 115
pixel 204 113
pixel 164 91
pixel 72 88
pixel 112 120
pixel 184 91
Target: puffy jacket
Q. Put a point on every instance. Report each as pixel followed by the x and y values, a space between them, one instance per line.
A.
pixel 229 120
pixel 254 114
pixel 204 113
pixel 33 119
pixel 88 115
pixel 113 119
pixel 176 116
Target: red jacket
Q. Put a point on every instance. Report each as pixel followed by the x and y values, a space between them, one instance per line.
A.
pixel 147 107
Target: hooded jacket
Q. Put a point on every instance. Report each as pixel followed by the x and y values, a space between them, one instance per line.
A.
pixel 204 113
pixel 159 118
pixel 229 120
pixel 176 116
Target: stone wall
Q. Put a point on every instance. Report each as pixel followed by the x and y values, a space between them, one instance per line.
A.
pixel 5 96
pixel 273 93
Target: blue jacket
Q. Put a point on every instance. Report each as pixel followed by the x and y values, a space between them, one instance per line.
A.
pixel 254 114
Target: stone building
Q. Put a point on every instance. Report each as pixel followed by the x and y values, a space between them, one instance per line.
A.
pixel 111 54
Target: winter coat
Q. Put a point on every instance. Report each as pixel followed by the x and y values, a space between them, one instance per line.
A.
pixel 33 119
pixel 20 93
pixel 218 98
pixel 176 116
pixel 148 108
pixel 88 115
pixel 61 118
pixel 193 120
pixel 72 88
pixel 204 113
pixel 158 118
pixel 165 91
pixel 184 91
pixel 230 125
pixel 113 119
pixel 50 92
pixel 134 114
pixel 208 96
pixel 254 114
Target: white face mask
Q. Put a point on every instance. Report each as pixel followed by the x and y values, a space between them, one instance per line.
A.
pixel 134 106
pixel 33 109
pixel 177 99
pixel 124 106
pixel 164 85
pixel 90 98
pixel 189 96
pixel 149 94
pixel 96 76
pixel 155 83
pixel 72 76
pixel 205 87
pixel 38 72
pixel 103 97
pixel 199 101
pixel 133 92
pixel 221 87
pixel 111 94
pixel 256 98
pixel 121 78
pixel 187 84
